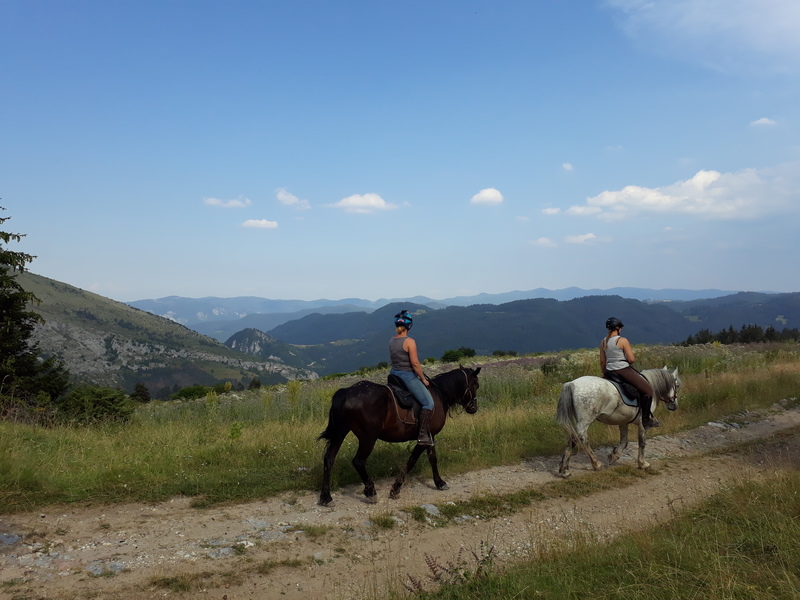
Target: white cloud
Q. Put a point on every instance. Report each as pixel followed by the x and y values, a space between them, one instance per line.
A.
pixel 567 166
pixel 720 34
pixel 364 203
pixel 488 196
pixel 551 211
pixel 260 224
pixel 580 239
pixel 582 211
pixel 240 202
pixel 544 242
pixel 745 194
pixel 762 121
pixel 288 199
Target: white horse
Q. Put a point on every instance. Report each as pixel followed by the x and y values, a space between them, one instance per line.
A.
pixel 589 398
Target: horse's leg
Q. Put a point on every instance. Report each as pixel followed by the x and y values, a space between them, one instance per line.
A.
pixel 365 447
pixel 563 470
pixel 441 484
pixel 327 465
pixel 401 477
pixel 643 464
pixel 596 464
pixel 583 439
pixel 619 448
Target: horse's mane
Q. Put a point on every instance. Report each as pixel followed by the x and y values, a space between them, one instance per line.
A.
pixel 661 380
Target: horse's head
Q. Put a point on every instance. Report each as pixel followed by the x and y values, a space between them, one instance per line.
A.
pixel 459 387
pixel 470 398
pixel 671 398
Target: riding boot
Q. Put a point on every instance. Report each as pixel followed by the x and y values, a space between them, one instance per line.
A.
pixel 424 438
pixel 648 420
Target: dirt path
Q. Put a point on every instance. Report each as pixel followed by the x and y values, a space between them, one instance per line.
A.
pixel 257 550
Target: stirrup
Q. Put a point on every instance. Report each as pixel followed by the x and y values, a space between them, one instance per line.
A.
pixel 652 422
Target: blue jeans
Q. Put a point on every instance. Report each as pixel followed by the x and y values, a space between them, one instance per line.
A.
pixel 416 387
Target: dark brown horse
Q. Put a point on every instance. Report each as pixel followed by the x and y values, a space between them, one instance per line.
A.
pixel 369 410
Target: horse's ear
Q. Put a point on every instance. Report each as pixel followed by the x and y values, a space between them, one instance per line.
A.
pixel 675 373
pixel 478 370
pixel 665 367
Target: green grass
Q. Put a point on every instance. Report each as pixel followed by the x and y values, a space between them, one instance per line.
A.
pixel 744 544
pixel 252 445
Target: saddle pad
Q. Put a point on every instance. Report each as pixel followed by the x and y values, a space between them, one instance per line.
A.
pixel 626 399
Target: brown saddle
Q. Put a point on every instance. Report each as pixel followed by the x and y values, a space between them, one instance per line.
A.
pixel 407 404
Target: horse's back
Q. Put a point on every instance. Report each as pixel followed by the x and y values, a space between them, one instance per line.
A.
pixel 584 398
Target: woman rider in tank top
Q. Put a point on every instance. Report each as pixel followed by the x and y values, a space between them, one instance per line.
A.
pixel 406 366
pixel 616 355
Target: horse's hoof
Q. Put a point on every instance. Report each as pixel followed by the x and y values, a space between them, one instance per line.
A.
pixel 443 487
pixel 394 495
pixel 371 499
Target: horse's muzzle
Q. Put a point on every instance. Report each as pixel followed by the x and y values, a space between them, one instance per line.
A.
pixel 672 406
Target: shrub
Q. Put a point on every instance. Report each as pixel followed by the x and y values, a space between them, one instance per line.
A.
pixel 86 405
pixel 192 392
pixel 457 355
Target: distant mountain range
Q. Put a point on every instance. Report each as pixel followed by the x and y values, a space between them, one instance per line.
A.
pixel 346 342
pixel 220 318
pixel 108 343
pixel 111 343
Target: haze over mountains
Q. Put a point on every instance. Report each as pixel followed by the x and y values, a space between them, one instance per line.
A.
pixel 220 318
pixel 105 342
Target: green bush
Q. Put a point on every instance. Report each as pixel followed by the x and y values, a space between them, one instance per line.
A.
pixel 193 392
pixel 457 355
pixel 88 405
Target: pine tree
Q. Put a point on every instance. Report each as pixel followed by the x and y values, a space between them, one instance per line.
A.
pixel 24 375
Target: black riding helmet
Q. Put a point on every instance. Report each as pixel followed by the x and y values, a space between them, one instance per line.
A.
pixel 403 319
pixel 613 323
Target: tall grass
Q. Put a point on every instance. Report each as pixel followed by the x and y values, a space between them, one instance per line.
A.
pixel 743 543
pixel 254 444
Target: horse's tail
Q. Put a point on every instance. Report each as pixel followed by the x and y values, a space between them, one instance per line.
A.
pixel 336 420
pixel 565 413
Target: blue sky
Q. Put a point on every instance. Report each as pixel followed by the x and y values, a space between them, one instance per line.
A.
pixel 321 149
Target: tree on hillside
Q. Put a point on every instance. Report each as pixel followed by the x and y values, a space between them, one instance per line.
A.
pixel 141 393
pixel 25 377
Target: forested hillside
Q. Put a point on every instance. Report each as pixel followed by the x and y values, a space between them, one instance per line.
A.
pixel 104 342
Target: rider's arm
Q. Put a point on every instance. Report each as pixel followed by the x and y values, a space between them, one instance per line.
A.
pixel 602 357
pixel 410 346
pixel 626 348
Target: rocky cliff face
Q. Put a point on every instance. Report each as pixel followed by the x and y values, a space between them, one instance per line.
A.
pixel 114 361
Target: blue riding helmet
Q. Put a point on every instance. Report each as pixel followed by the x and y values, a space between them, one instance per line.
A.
pixel 403 319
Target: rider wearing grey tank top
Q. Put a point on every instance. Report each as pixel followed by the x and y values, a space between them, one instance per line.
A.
pixel 398 356
pixel 615 356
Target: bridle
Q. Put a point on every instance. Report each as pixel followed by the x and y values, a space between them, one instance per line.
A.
pixel 672 398
pixel 469 399
pixel 473 397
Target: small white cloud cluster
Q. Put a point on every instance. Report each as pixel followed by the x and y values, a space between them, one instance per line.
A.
pixel 288 199
pixel 260 224
pixel 487 196
pixel 364 204
pixel 240 202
